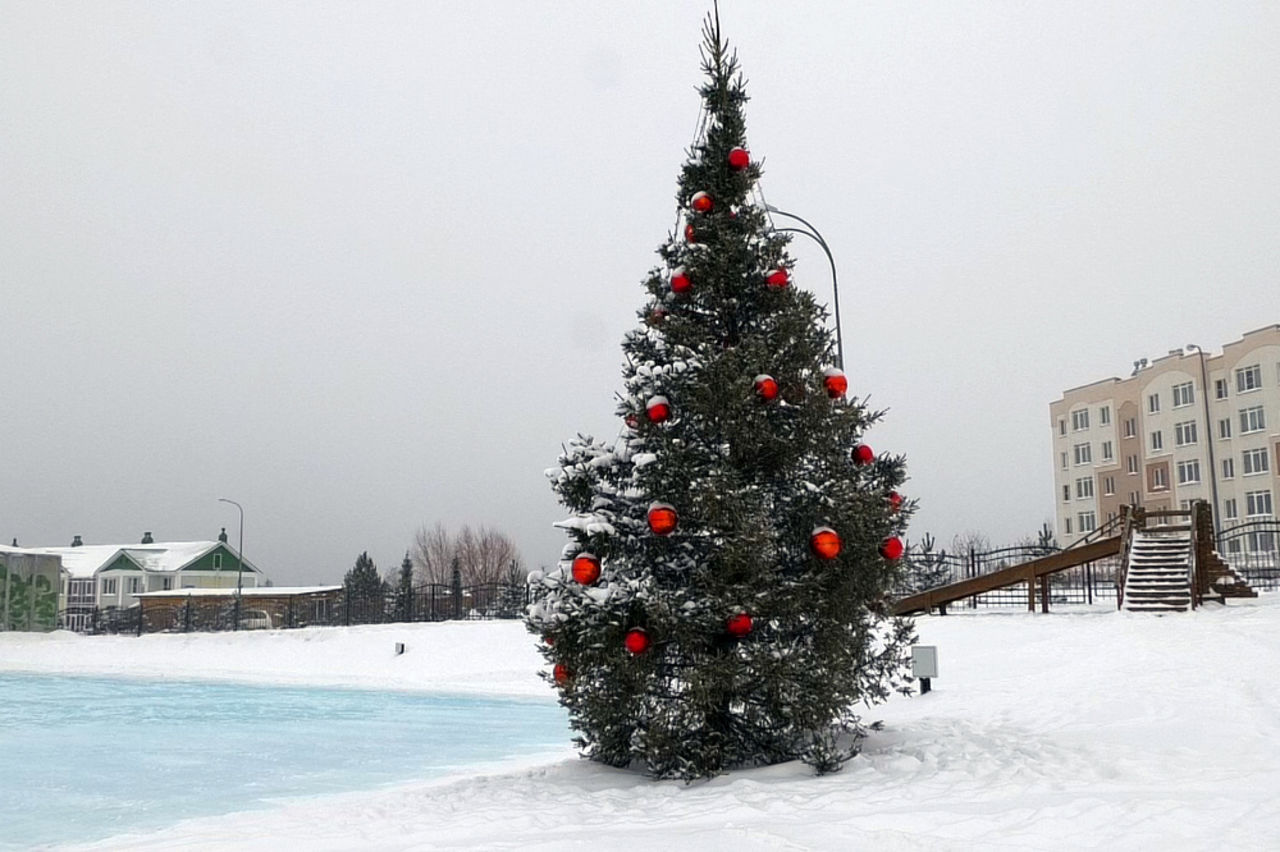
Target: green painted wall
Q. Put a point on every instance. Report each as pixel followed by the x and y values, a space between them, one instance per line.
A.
pixel 28 592
pixel 229 563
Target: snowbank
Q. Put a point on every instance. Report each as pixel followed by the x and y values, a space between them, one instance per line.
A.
pixel 1074 730
pixel 465 657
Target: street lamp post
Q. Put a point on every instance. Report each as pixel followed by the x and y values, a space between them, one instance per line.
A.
pixel 1208 437
pixel 239 561
pixel 812 233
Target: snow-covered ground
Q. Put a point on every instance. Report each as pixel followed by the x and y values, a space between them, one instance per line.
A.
pixel 1089 729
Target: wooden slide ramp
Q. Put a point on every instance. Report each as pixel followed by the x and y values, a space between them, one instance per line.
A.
pixel 1027 572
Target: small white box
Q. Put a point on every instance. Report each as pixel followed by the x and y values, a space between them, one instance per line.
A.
pixel 924 660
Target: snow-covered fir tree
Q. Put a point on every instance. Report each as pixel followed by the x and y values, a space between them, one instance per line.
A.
pixel 723 600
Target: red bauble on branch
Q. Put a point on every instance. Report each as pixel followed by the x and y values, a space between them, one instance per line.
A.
pixel 701 202
pixel 690 235
pixel 891 548
pixel 833 379
pixel 631 420
pixel 778 279
pixel 658 409
pixel 739 625
pixel 895 502
pixel 680 282
pixel 765 387
pixel 561 673
pixel 656 316
pixel 662 519
pixel 586 568
pixel 739 159
pixel 637 640
pixel 862 454
pixel 825 543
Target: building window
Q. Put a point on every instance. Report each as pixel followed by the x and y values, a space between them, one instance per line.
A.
pixel 1228 468
pixel 1184 433
pixel 1157 441
pixel 217 557
pixel 1252 420
pixel 1062 425
pixel 135 585
pixel 1188 472
pixel 1104 415
pixel 109 586
pixel 1255 461
pixel 1131 464
pixel 1135 498
pixel 1183 394
pixel 1248 378
pixel 1131 427
pixel 1107 453
pixel 1159 478
pixel 1153 403
pixel 1224 428
pixel 1066 526
pixel 1084 487
pixel 1066 494
pixel 1079 420
pixel 1064 461
pixel 1088 520
pixel 1258 503
pixel 1229 510
pixel 1108 485
pixel 1220 388
pixel 1084 453
pixel 167 583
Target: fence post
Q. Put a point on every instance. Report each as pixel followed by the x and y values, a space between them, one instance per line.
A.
pixel 457 590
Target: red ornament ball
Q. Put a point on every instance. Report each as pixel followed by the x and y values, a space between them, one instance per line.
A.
pixel 656 316
pixel 680 282
pixel 636 640
pixel 833 379
pixel 891 548
pixel 549 639
pixel 690 235
pixel 739 159
pixel 701 202
pixel 662 519
pixel 778 279
pixel 658 409
pixel 561 673
pixel 631 420
pixel 895 502
pixel 766 388
pixel 862 454
pixel 586 568
pixel 739 625
pixel 825 543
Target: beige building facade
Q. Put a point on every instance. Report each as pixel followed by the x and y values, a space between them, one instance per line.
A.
pixel 1187 426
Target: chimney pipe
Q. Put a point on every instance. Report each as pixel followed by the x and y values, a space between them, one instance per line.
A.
pixel 147 539
pixel 76 542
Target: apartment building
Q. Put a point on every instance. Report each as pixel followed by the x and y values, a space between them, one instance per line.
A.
pixel 1187 426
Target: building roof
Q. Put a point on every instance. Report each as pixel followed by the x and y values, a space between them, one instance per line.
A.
pixel 259 592
pixel 161 557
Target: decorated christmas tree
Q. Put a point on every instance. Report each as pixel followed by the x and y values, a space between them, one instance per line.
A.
pixel 723 600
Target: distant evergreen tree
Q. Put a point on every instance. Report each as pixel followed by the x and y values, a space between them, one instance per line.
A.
pixel 404 590
pixel 365 591
pixel 926 569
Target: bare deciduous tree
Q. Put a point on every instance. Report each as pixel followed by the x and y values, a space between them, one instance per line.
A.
pixel 484 556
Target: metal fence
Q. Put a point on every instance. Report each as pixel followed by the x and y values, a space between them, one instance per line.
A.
pixel 1251 548
pixel 1085 584
pixel 430 602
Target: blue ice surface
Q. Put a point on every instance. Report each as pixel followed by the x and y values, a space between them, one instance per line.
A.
pixel 83 758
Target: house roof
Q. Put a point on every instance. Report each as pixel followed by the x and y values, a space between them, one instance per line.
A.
pixel 161 557
pixel 258 592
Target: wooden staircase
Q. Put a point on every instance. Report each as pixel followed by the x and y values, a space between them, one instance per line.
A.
pixel 1159 575
pixel 1222 581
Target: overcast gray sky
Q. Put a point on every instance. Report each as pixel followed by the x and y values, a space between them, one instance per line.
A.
pixel 364 266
